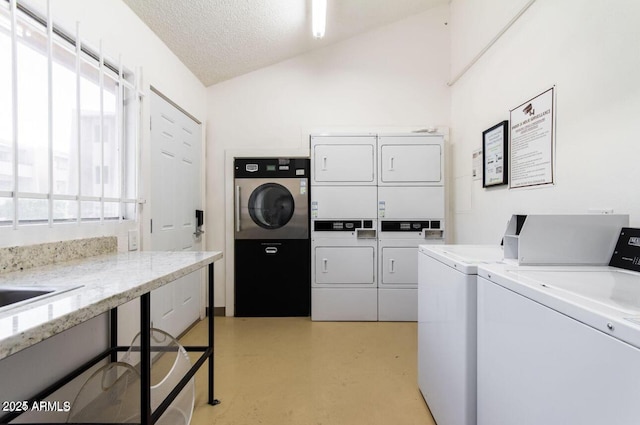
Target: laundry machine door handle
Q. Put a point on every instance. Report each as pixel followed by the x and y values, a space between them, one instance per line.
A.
pixel 237 208
pixel 324 265
pixel 391 164
pixel 392 264
pixel 324 163
pixel 271 250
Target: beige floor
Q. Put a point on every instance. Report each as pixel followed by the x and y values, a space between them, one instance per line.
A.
pixel 279 371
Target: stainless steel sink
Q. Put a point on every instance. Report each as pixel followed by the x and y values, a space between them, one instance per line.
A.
pixel 12 296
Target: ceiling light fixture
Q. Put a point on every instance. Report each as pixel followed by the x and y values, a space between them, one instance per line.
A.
pixel 319 14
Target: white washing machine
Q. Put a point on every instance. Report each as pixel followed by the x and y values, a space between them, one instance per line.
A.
pixel 343 270
pixel 559 344
pixel 447 328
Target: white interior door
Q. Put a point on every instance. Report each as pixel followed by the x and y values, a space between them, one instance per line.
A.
pixel 175 195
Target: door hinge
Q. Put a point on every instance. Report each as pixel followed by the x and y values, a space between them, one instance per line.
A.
pixel 151 226
pixel 150 124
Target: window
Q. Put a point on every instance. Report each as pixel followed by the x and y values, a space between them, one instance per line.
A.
pixel 68 126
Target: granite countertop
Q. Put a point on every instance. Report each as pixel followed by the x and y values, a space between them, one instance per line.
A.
pixel 89 287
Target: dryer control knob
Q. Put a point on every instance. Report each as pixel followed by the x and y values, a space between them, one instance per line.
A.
pixel 610 326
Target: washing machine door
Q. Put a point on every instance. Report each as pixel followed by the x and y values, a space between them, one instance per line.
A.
pixel 271 206
pixel 274 209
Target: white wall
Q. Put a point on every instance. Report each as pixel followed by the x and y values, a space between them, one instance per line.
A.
pixel 122 33
pixel 589 50
pixel 392 77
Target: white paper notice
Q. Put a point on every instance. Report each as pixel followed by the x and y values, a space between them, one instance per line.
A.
pixel 493 157
pixel 531 146
pixel 476 172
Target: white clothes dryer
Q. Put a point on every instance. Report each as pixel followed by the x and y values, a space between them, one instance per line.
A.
pixel 447 328
pixel 343 270
pixel 343 160
pixel 398 242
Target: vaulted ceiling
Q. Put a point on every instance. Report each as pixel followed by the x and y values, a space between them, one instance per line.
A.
pixel 221 39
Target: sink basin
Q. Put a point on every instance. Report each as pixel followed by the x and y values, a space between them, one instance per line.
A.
pixel 11 296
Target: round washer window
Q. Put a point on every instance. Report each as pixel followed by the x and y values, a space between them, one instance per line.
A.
pixel 271 206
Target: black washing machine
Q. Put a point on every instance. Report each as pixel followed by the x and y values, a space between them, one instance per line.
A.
pixel 272 245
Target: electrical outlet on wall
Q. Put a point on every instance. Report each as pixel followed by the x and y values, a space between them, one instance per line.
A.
pixel 133 240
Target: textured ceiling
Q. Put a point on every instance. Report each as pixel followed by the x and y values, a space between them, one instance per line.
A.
pixel 221 39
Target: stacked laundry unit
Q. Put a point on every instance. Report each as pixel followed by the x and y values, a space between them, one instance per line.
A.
pixel 343 228
pixel 374 199
pixel 411 212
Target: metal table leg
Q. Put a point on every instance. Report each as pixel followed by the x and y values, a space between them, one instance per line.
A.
pixel 145 359
pixel 212 401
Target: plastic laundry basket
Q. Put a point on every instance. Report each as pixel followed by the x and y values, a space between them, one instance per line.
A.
pixel 107 396
pixel 112 393
pixel 169 363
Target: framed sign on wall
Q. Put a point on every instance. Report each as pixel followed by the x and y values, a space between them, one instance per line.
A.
pixel 532 142
pixel 494 155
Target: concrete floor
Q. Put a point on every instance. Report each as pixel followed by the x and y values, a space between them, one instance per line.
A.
pixel 280 371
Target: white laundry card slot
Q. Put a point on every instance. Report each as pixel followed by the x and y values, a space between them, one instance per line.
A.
pixel 365 233
pixel 271 250
pixel 303 186
pixel 314 209
pixel 382 206
pixel 432 234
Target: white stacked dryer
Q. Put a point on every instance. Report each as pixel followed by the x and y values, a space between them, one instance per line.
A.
pixel 343 227
pixel 411 212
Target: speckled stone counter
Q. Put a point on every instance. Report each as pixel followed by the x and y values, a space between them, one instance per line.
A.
pixel 87 288
pixel 25 257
